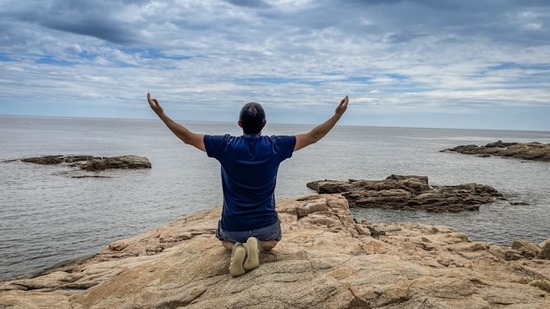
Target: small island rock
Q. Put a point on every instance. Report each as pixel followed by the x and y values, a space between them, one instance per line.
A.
pixel 91 163
pixel 409 193
pixel 525 151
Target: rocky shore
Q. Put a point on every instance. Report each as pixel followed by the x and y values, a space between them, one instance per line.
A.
pixel 325 260
pixel 409 193
pixel 524 151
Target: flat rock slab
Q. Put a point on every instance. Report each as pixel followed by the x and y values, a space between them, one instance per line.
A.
pixel 91 163
pixel 525 151
pixel 409 193
pixel 325 260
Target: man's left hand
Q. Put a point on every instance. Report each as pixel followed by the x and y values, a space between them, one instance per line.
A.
pixel 155 105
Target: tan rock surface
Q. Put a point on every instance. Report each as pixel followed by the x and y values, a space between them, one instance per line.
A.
pixel 326 260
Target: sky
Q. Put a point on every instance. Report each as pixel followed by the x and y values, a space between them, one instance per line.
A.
pixel 425 63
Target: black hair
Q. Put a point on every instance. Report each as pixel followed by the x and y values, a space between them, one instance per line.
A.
pixel 252 118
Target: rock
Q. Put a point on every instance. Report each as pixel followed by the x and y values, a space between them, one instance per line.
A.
pixel 498 252
pixel 524 151
pixel 45 160
pixel 327 186
pixel 526 248
pixel 325 260
pixel 120 162
pixel 91 163
pixel 512 255
pixel 409 193
pixel 544 253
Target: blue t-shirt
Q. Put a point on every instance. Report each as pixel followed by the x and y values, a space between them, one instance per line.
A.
pixel 249 165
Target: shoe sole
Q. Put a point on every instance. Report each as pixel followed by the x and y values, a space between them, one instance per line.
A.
pixel 237 260
pixel 252 254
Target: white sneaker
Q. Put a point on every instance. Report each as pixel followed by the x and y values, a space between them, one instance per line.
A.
pixel 237 260
pixel 252 247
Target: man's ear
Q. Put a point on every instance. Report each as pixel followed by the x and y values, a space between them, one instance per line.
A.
pixel 240 124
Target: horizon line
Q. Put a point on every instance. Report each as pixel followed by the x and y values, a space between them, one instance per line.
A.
pixel 274 123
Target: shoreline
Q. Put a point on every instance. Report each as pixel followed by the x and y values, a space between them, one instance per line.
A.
pixel 336 260
pixel 322 186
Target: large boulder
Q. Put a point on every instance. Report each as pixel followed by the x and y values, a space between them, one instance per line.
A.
pixel 325 260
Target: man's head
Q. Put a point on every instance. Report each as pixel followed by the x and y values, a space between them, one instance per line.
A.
pixel 252 118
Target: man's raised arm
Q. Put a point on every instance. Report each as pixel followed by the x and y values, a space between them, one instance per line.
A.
pixel 180 131
pixel 317 133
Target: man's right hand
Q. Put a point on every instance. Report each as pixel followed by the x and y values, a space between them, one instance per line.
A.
pixel 154 104
pixel 317 133
pixel 341 108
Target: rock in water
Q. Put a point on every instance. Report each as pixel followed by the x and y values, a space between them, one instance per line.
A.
pixel 91 163
pixel 409 193
pixel 325 260
pixel 524 151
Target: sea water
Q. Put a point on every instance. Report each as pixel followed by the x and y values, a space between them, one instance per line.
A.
pixel 47 217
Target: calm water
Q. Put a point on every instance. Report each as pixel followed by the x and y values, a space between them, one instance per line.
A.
pixel 46 217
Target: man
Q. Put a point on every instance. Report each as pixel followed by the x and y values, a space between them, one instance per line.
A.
pixel 249 165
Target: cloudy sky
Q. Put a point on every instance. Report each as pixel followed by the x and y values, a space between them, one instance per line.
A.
pixel 424 63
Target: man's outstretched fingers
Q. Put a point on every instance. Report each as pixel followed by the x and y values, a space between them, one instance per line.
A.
pixel 341 108
pixel 345 100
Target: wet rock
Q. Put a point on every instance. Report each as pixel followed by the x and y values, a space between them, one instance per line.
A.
pixel 409 193
pixel 524 151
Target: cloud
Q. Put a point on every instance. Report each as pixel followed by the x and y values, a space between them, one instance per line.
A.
pixel 391 57
pixel 249 3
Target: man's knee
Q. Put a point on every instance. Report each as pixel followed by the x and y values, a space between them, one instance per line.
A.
pixel 268 245
pixel 228 244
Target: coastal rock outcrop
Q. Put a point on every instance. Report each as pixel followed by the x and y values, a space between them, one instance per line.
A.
pixel 91 163
pixel 524 151
pixel 409 193
pixel 325 260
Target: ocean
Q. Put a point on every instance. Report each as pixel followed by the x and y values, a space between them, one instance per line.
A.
pixel 47 217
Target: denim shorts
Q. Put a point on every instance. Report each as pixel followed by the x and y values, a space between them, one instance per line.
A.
pixel 271 232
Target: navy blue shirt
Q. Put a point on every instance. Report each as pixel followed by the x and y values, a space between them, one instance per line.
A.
pixel 249 166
